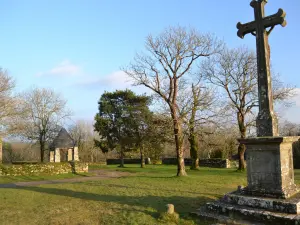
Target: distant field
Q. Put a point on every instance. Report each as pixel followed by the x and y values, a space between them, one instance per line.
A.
pixel 136 199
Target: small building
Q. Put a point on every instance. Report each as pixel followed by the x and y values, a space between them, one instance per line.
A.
pixel 63 148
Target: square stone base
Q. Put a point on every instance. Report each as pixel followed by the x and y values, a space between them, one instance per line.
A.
pixel 271 193
pixel 270 170
pixel 237 208
pixel 290 205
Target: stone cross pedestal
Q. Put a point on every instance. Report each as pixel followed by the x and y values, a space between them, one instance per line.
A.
pixel 270 170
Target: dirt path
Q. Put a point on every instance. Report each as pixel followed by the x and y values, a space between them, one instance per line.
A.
pixel 99 174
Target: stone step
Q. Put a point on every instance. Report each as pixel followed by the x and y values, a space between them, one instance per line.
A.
pixel 238 213
pixel 218 219
pixel 291 205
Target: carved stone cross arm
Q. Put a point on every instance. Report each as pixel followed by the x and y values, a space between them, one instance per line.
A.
pixel 266 22
pixel 266 121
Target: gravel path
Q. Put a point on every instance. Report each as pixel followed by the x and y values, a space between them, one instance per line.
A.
pixel 99 174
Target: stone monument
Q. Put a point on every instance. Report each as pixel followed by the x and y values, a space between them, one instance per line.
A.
pixel 270 193
pixel 269 158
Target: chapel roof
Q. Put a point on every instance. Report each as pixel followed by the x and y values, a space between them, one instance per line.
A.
pixel 63 140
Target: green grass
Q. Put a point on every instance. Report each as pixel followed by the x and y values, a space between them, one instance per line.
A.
pixel 137 199
pixel 13 179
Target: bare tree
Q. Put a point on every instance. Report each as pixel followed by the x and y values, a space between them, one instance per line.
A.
pixel 197 108
pixel 201 112
pixel 288 128
pixel 171 56
pixel 83 133
pixel 43 114
pixel 218 141
pixel 282 93
pixel 8 101
pixel 234 71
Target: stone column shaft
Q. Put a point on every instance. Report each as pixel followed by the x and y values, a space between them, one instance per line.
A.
pixel 57 155
pixel 76 154
pixel 70 154
pixel 52 156
pixel 266 121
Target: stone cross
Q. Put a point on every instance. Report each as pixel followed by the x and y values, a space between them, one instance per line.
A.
pixel 266 121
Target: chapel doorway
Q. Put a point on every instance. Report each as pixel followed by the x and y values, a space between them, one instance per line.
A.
pixel 63 154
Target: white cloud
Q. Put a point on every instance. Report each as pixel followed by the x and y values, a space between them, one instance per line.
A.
pixel 65 68
pixel 117 80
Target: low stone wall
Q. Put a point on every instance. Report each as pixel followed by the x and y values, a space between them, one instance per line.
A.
pixel 173 161
pixel 79 167
pixel 43 168
pixel 216 163
pixel 98 163
pixel 126 161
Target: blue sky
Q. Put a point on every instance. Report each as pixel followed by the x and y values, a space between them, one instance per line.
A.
pixel 77 47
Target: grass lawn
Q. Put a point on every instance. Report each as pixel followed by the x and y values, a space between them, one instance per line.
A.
pixel 13 179
pixel 136 199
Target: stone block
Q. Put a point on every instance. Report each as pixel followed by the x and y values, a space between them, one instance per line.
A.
pixel 290 205
pixel 147 161
pixel 270 166
pixel 70 154
pixel 51 156
pixel 76 156
pixel 240 214
pixel 57 155
pixel 170 208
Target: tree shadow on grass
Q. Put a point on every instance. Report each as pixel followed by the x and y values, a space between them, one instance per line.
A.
pixel 183 205
pixel 161 177
pixel 81 174
pixel 20 178
pixel 97 184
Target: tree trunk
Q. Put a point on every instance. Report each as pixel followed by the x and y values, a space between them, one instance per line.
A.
pixel 241 152
pixel 194 152
pixel 92 157
pixel 122 158
pixel 242 147
pixel 178 143
pixel 42 145
pixel 142 158
pixel 180 164
pixel 192 136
